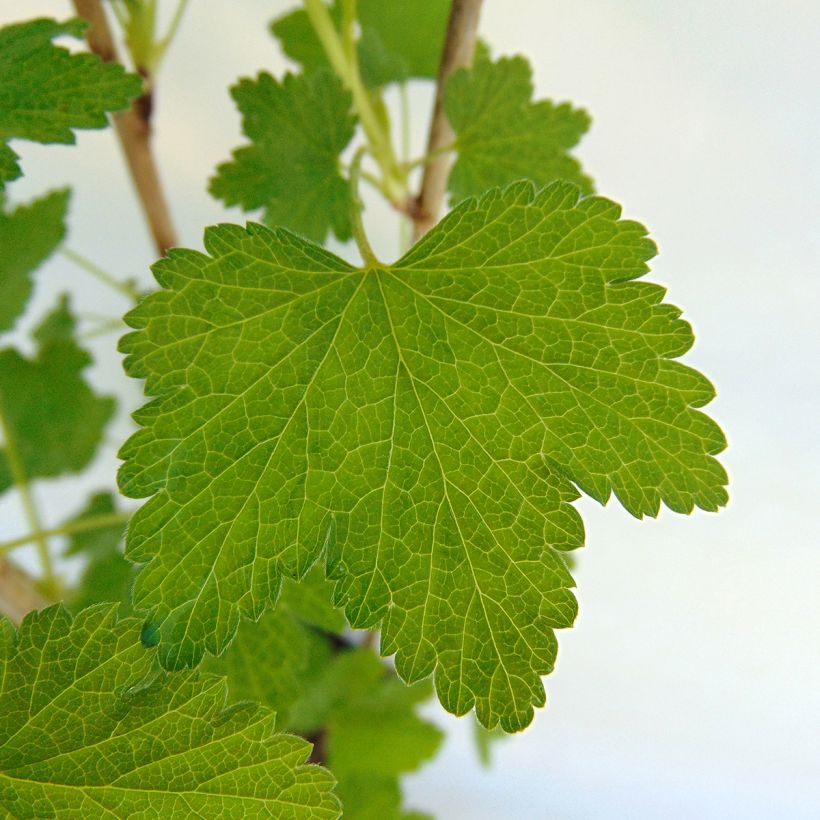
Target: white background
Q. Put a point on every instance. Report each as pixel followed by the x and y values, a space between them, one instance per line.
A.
pixel 690 687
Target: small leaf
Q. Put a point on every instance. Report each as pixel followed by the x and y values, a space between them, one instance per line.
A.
pixel 54 418
pixel 419 427
pixel 46 91
pixel 502 136
pixel 28 236
pixel 298 129
pixel 89 728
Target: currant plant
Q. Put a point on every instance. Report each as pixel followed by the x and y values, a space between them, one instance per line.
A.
pixel 358 477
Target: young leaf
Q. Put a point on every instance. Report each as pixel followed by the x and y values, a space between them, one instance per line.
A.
pixel 45 90
pixel 398 41
pixel 28 236
pixel 373 734
pixel 108 576
pixel 53 417
pixel 419 425
pixel 298 128
pixel 89 728
pixel 503 136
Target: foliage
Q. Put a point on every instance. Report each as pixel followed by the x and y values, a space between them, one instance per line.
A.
pixel 89 728
pixel 46 91
pixel 390 446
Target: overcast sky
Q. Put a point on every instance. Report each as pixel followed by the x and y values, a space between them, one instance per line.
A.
pixel 690 686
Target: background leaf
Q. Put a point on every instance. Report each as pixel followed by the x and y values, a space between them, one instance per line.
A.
pixel 53 416
pixel 28 236
pixel 46 91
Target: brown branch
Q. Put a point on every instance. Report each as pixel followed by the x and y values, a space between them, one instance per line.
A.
pixel 18 592
pixel 134 131
pixel 459 47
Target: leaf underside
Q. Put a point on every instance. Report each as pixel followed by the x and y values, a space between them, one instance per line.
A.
pixel 421 428
pixel 90 728
pixel 29 234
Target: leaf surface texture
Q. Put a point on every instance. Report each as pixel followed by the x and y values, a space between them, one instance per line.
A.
pixel 90 728
pixel 421 428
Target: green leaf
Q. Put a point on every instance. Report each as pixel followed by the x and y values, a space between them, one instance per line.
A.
pixel 411 33
pixel 28 236
pixel 89 729
pixel 9 168
pixel 53 417
pixel 298 129
pixel 502 136
pixel 419 427
pixel 373 734
pixel 108 576
pixel 46 91
pixel 398 41
pixel 275 660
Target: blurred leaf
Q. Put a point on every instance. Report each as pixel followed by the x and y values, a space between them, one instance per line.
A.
pixel 399 40
pixel 46 91
pixel 89 728
pixel 503 136
pixel 298 128
pixel 373 734
pixel 55 419
pixel 485 739
pixel 28 236
pixel 274 660
pixel 108 576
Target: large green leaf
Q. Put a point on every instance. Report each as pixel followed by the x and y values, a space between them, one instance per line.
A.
pixel 46 91
pixel 298 128
pixel 503 136
pixel 89 728
pixel 419 426
pixel 28 236
pixel 52 416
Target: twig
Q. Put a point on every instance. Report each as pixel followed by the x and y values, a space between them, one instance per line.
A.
pixel 94 522
pixel 134 131
pixel 459 47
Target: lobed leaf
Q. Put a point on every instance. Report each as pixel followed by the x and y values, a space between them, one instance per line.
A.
pixel 46 91
pixel 89 728
pixel 503 136
pixel 298 128
pixel 418 427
